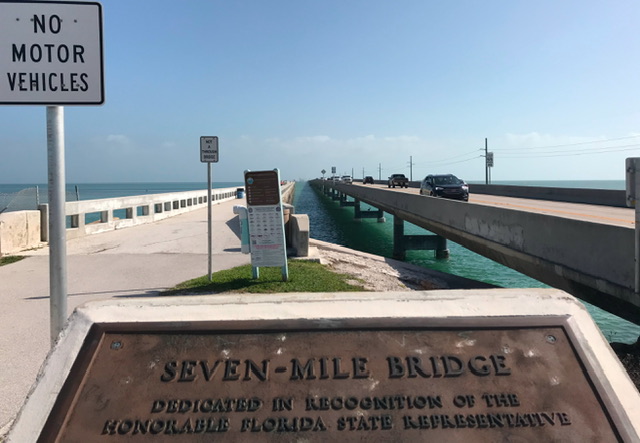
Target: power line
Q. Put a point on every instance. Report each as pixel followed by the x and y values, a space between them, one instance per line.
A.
pixel 572 153
pixel 569 144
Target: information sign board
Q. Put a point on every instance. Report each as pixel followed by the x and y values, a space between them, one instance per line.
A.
pixel 266 221
pixel 51 53
pixel 209 149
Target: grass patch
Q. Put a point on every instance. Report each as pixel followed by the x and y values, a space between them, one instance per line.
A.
pixel 303 277
pixel 10 259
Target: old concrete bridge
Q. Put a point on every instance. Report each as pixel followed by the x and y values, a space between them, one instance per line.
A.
pixel 567 246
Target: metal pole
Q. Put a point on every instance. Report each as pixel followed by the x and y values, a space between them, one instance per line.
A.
pixel 636 167
pixel 486 162
pixel 209 220
pixel 411 167
pixel 57 221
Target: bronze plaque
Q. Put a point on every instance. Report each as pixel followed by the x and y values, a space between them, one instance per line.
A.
pixel 263 188
pixel 521 384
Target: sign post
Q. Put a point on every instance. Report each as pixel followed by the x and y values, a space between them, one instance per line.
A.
pixel 633 195
pixel 51 54
pixel 209 154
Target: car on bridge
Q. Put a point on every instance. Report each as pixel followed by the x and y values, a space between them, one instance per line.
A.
pixel 398 180
pixel 445 185
pixel 346 179
pixel 367 179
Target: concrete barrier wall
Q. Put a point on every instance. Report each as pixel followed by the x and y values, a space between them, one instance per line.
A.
pixel 19 230
pixel 604 197
pixel 287 191
pixel 22 230
pixel 122 212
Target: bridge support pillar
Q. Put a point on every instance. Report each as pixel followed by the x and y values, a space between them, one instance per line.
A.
pixel 335 195
pixel 345 202
pixel 360 214
pixel 403 243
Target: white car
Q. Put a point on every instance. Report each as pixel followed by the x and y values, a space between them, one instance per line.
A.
pixel 347 179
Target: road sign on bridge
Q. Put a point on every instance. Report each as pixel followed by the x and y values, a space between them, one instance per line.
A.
pixel 51 53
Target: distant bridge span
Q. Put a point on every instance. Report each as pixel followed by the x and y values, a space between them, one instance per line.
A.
pixel 591 260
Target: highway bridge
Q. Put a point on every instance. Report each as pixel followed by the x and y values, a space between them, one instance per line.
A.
pixel 583 245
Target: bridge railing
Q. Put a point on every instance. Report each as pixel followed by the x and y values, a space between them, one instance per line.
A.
pixel 22 230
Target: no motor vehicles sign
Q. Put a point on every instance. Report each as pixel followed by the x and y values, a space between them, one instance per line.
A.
pixel 51 53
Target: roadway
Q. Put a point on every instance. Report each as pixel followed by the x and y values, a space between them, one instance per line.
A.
pixel 577 211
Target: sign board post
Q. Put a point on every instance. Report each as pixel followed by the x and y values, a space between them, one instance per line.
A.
pixel 208 155
pixel 633 194
pixel 51 54
pixel 266 221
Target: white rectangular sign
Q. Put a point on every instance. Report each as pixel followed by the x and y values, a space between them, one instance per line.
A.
pixel 266 220
pixel 209 149
pixel 51 53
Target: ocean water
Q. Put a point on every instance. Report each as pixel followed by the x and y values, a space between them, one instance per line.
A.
pixel 329 222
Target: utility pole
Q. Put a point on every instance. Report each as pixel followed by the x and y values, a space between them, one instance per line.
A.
pixel 410 168
pixel 362 173
pixel 486 162
pixel 379 171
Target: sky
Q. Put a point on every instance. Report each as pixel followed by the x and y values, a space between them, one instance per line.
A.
pixel 370 87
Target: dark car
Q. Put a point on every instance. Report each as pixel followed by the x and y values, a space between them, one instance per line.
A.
pixel 445 185
pixel 367 179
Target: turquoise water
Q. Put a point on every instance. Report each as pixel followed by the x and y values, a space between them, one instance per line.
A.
pixel 329 222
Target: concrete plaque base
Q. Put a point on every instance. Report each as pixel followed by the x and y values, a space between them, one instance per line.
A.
pixel 419 366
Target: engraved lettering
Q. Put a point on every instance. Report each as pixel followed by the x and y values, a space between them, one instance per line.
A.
pixel 283 424
pixel 499 365
pixel 167 427
pixel 187 373
pixel 169 371
pixel 396 368
pixel 337 370
pixel 253 368
pixel 230 370
pixel 209 373
pixel 501 400
pixel 360 367
pixel 362 423
pixel 453 366
pixel 479 370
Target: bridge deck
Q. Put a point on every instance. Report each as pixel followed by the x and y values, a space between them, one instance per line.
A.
pixel 586 250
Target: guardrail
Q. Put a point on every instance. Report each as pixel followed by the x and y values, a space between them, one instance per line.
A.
pixel 22 230
pixel 86 217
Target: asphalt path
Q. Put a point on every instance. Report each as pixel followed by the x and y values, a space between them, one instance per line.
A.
pixel 593 213
pixel 133 262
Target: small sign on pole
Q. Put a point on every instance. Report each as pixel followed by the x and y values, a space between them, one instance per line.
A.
pixel 209 149
pixel 208 155
pixel 52 54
